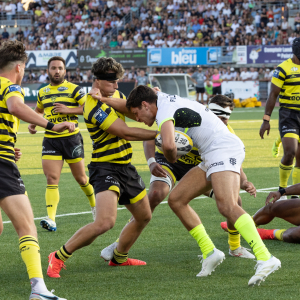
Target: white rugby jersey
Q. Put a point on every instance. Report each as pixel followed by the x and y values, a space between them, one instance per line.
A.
pixel 191 117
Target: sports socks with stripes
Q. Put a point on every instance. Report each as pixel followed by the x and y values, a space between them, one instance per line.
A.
pixel 119 257
pixel 284 174
pixel 89 192
pixel 52 199
pixel 234 239
pixel 63 254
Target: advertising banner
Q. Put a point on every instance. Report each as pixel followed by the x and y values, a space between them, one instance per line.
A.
pixel 184 56
pixel 241 89
pixel 268 54
pixel 39 59
pixel 127 57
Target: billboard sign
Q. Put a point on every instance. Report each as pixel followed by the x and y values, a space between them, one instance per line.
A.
pixel 268 54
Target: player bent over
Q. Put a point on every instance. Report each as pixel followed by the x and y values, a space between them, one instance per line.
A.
pixel 113 177
pixel 61 100
pixel 13 200
pixel 165 174
pixel 222 153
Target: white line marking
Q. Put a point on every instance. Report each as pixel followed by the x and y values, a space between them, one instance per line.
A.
pixel 264 190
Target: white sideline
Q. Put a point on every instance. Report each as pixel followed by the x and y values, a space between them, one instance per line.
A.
pixel 264 190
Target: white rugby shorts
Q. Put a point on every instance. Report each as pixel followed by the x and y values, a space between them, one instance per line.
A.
pixel 226 153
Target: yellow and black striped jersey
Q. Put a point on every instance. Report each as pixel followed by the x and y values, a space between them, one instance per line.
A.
pixel 106 147
pixel 9 124
pixel 66 93
pixel 193 157
pixel 287 77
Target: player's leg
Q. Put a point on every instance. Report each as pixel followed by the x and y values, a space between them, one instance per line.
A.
pixel 197 97
pixel 193 184
pixel 276 147
pixel 296 171
pixel 141 216
pixel 202 97
pixel 52 170
pixel 19 211
pixel 226 186
pixel 1 223
pixel 106 214
pixel 288 210
pixel 78 171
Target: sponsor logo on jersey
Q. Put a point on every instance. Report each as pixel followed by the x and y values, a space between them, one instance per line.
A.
pixel 81 91
pixel 14 88
pixel 294 69
pixel 62 88
pixel 220 163
pixel 100 115
pixel 77 151
pixel 284 127
pixel 46 90
pixel 276 73
pixel 110 179
pixel 53 98
pixel 232 161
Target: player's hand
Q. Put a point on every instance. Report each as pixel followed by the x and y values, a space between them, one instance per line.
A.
pixel 96 94
pixel 61 108
pixel 156 89
pixel 64 126
pixel 273 197
pixel 265 126
pixel 31 128
pixel 18 154
pixel 249 188
pixel 157 170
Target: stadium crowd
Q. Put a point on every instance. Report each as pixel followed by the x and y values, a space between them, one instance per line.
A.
pixel 226 73
pixel 86 24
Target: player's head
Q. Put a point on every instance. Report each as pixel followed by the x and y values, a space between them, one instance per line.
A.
pixel 296 47
pixel 221 106
pixel 142 103
pixel 107 73
pixel 56 70
pixel 13 58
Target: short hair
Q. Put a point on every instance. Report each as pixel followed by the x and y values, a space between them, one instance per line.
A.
pixel 12 51
pixel 223 101
pixel 140 94
pixel 56 58
pixel 105 65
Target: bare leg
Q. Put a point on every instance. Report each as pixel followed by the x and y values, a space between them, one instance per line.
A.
pixel 78 171
pixel 52 170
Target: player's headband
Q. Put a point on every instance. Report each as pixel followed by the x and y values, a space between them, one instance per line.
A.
pixel 219 110
pixel 107 76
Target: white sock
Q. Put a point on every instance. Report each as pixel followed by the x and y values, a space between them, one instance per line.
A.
pixel 38 285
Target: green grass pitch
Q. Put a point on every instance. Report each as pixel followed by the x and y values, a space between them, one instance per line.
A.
pixel 170 252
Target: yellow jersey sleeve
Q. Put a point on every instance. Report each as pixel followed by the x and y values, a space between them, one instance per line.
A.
pixel 39 103
pixel 80 97
pixel 230 129
pixel 14 90
pixel 278 77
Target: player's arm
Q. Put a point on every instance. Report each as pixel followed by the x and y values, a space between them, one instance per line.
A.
pixel 168 137
pixel 63 109
pixel 155 168
pixel 291 190
pixel 31 127
pixel 17 108
pixel 247 185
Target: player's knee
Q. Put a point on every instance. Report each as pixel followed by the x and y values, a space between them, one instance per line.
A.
pixel 155 197
pixel 103 226
pixel 173 202
pixel 82 179
pixel 52 179
pixel 240 201
pixel 224 209
pixel 289 155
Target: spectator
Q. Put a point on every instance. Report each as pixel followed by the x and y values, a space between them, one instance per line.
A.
pixel 244 74
pixel 253 75
pixel 43 77
pixel 216 79
pixel 268 75
pixel 5 34
pixel 141 79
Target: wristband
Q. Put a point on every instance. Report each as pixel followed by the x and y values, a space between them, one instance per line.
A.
pixel 150 161
pixel 266 118
pixel 282 191
pixel 49 126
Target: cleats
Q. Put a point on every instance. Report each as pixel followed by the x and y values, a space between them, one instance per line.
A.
pixel 48 224
pixel 276 149
pixel 44 296
pixel 224 226
pixel 263 270
pixel 241 252
pixel 55 266
pixel 93 209
pixel 211 262
pixel 266 234
pixel 108 253
pixel 129 262
pixel 282 198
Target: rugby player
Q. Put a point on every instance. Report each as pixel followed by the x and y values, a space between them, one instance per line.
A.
pixel 285 83
pixel 113 177
pixel 61 101
pixel 222 153
pixel 165 174
pixel 13 200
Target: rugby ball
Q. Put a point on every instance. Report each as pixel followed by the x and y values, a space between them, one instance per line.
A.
pixel 184 143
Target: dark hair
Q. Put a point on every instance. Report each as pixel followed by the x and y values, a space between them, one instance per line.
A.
pixel 140 94
pixel 56 58
pixel 12 51
pixel 223 101
pixel 105 65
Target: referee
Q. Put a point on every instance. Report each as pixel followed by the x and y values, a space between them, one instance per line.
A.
pixel 61 101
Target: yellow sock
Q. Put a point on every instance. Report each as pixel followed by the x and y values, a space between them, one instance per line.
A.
pixel 247 229
pixel 296 175
pixel 234 239
pixel 63 254
pixel 284 174
pixel 30 252
pixel 278 141
pixel 279 234
pixel 52 199
pixel 119 257
pixel 89 192
pixel 203 240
